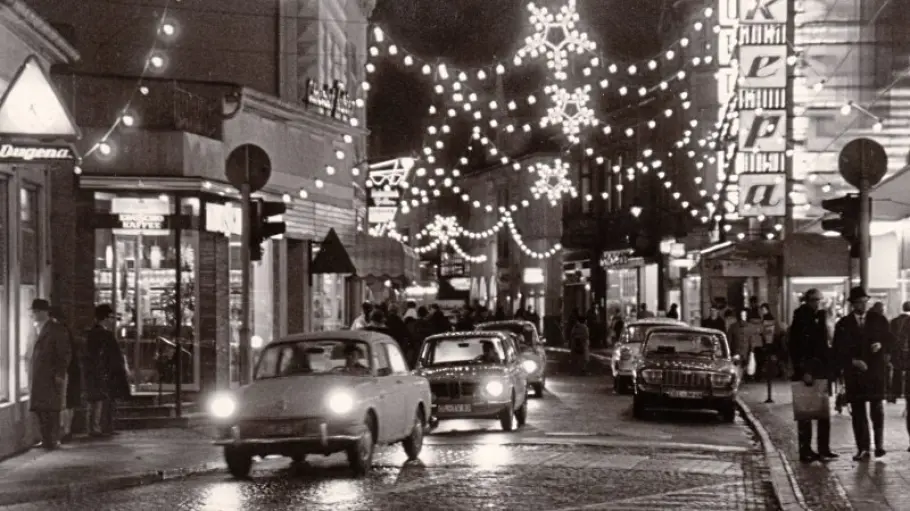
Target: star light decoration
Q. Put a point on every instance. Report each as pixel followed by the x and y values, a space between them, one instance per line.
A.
pixel 552 181
pixel 556 36
pixel 444 228
pixel 570 110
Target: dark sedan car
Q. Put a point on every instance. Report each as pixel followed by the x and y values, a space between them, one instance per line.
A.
pixel 688 368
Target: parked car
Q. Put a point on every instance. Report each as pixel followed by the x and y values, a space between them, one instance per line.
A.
pixel 321 393
pixel 625 353
pixel 533 354
pixel 686 367
pixel 475 375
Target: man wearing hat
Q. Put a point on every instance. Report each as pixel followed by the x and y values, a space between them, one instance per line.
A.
pixel 50 361
pixel 862 343
pixel 107 378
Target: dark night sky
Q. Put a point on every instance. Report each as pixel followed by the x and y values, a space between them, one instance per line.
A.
pixel 467 33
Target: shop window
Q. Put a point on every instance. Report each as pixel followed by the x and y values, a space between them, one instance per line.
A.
pixel 29 260
pixel 262 297
pixel 236 300
pixel 328 302
pixel 5 358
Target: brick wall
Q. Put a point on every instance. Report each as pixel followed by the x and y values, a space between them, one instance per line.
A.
pixel 72 249
pixel 212 311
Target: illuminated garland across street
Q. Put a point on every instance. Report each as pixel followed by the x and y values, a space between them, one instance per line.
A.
pixel 556 36
pixel 552 181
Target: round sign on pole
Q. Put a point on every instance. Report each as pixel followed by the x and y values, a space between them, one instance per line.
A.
pixel 248 164
pixel 863 161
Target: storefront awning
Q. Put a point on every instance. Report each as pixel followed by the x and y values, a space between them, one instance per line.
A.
pixel 332 258
pixel 889 198
pixel 383 258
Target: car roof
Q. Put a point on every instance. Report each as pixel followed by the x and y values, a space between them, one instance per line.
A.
pixel 366 336
pixel 687 328
pixel 658 321
pixel 469 333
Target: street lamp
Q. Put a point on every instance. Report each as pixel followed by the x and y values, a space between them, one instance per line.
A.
pixel 407 163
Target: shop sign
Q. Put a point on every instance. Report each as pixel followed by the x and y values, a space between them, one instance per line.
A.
pixel 31 106
pixel 733 268
pixel 453 267
pixel 333 100
pixel 615 258
pixel 223 218
pixel 761 194
pixel 533 276
pixel 142 222
pixel 385 182
pixel 34 153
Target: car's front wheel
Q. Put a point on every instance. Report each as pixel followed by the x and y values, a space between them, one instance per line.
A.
pixel 623 385
pixel 505 416
pixel 360 453
pixel 727 413
pixel 639 411
pixel 239 462
pixel 521 414
pixel 414 442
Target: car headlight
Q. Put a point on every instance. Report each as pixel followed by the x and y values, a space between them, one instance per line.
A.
pixel 529 365
pixel 222 406
pixel 651 376
pixel 721 379
pixel 340 402
pixel 494 388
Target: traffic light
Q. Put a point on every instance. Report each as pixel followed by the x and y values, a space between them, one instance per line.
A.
pixel 261 228
pixel 846 224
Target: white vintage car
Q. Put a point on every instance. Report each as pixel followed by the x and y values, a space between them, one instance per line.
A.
pixel 321 393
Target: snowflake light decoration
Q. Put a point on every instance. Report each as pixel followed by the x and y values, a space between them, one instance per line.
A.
pixel 556 36
pixel 571 110
pixel 552 181
pixel 444 228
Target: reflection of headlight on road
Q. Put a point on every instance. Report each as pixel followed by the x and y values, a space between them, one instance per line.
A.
pixel 340 402
pixel 222 406
pixel 529 365
pixel 494 388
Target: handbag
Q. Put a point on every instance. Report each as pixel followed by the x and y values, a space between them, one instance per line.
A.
pixel 811 402
pixel 751 366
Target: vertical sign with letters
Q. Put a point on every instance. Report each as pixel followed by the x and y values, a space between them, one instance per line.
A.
pixel 762 52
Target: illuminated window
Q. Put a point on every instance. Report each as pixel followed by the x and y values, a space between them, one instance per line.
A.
pixel 5 365
pixel 29 257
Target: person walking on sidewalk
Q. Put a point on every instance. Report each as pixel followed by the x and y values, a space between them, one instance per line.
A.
pixel 900 356
pixel 74 401
pixel 581 344
pixel 50 361
pixel 106 375
pixel 862 344
pixel 811 358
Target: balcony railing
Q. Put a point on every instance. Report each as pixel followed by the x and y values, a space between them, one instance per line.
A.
pixel 167 105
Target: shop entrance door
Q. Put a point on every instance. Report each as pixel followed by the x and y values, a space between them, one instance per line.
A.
pixel 140 281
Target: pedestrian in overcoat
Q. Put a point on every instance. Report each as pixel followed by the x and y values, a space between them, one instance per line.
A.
pixel 50 361
pixel 106 374
pixel 862 344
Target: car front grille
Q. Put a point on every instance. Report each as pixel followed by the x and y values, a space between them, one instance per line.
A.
pixel 687 379
pixel 278 428
pixel 453 390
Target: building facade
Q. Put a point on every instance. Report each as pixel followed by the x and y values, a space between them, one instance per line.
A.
pixel 30 115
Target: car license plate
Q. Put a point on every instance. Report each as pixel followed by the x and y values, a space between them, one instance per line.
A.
pixel 686 394
pixel 454 408
pixel 280 430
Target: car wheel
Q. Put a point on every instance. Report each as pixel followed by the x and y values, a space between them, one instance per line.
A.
pixel 239 462
pixel 638 409
pixel 727 413
pixel 505 417
pixel 538 389
pixel 521 414
pixel 414 442
pixel 360 454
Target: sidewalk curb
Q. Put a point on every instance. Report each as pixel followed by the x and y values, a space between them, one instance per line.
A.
pixel 73 490
pixel 786 487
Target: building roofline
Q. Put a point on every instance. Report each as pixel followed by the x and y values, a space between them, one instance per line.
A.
pixel 41 32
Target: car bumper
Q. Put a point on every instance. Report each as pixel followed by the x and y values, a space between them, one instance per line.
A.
pixel 475 409
pixel 323 437
pixel 656 397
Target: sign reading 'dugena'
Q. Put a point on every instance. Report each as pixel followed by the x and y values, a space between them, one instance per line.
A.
pixel 32 153
pixel 141 222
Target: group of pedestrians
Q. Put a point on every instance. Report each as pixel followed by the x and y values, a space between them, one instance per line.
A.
pixel 865 352
pixel 70 373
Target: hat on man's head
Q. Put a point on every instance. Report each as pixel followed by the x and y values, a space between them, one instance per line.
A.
pixel 856 294
pixel 103 311
pixel 40 304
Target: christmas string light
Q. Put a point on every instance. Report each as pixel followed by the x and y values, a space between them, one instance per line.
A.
pixel 571 111
pixel 562 24
pixel 155 61
pixel 552 181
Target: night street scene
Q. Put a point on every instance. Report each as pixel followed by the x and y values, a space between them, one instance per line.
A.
pixel 549 255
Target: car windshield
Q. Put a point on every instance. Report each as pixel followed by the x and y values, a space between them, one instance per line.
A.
pixel 317 356
pixel 686 343
pixel 525 332
pixel 462 350
pixel 635 334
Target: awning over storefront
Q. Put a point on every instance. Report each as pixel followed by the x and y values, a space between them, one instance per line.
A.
pixel 332 258
pixel 890 200
pixel 382 258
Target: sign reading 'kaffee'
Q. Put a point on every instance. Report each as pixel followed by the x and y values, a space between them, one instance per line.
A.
pixel 31 153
